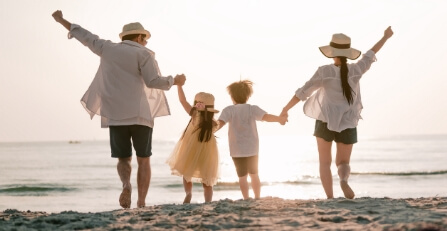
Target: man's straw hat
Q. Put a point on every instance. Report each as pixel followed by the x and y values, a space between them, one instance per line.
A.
pixel 134 28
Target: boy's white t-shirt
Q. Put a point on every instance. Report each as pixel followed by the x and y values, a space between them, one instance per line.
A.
pixel 242 131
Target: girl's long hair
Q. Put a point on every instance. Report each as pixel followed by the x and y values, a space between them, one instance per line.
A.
pixel 206 124
pixel 347 90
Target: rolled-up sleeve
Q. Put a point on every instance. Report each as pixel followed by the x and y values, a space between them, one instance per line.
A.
pixel 365 62
pixel 92 41
pixel 151 74
pixel 309 87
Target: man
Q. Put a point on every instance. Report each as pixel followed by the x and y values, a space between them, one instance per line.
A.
pixel 127 93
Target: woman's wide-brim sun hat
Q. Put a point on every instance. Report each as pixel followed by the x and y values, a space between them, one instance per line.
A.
pixel 134 28
pixel 340 46
pixel 207 99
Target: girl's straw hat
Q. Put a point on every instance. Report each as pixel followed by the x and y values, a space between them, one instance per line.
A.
pixel 134 28
pixel 340 46
pixel 207 100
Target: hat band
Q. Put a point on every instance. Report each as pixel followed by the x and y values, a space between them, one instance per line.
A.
pixel 340 46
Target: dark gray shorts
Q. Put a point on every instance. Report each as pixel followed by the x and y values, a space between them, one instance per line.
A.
pixel 347 136
pixel 121 136
pixel 245 165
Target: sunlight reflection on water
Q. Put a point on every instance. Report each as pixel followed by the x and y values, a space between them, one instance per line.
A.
pixel 281 159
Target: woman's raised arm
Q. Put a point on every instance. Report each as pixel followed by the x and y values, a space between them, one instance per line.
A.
pixel 386 35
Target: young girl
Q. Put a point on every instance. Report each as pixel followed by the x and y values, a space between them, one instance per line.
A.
pixel 195 157
pixel 243 135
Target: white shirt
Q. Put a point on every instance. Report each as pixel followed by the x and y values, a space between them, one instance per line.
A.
pixel 242 131
pixel 328 103
pixel 125 90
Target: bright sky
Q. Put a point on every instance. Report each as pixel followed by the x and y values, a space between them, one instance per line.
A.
pixel 43 75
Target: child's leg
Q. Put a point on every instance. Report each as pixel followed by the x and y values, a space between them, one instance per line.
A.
pixel 208 193
pixel 256 185
pixel 188 190
pixel 242 171
pixel 243 185
pixel 252 166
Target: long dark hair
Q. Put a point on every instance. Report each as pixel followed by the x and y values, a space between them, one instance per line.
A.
pixel 347 90
pixel 206 123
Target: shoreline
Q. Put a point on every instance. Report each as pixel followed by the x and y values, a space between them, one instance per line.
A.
pixel 268 213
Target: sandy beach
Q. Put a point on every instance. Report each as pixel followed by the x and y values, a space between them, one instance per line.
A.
pixel 265 214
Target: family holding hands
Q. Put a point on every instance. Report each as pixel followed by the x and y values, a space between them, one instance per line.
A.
pixel 128 93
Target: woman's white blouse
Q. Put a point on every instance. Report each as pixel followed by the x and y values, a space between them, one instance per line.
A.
pixel 328 103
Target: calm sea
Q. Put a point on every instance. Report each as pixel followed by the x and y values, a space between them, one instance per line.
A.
pixel 60 176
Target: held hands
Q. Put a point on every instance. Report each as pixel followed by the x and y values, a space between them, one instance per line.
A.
pixel 284 117
pixel 282 120
pixel 284 113
pixel 179 80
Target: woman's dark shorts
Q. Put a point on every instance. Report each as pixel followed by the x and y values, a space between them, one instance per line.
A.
pixel 245 165
pixel 120 140
pixel 347 136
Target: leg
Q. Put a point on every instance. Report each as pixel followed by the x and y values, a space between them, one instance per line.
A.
pixel 122 149
pixel 252 166
pixel 208 192
pixel 188 190
pixel 256 185
pixel 243 185
pixel 143 179
pixel 142 143
pixel 324 151
pixel 342 161
pixel 241 164
pixel 124 169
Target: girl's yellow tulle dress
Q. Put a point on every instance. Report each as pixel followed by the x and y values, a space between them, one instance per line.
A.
pixel 194 160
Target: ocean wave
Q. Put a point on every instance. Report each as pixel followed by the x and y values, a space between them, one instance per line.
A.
pixel 33 190
pixel 420 173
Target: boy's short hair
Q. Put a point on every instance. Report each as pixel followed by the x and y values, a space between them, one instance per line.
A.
pixel 240 91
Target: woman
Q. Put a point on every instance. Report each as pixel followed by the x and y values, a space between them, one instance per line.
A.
pixel 336 105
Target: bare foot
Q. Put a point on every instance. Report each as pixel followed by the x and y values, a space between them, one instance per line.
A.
pixel 347 190
pixel 141 205
pixel 125 197
pixel 187 199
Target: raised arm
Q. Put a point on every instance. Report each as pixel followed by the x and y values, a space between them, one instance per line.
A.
pixel 88 39
pixel 386 35
pixel 59 17
pixel 182 99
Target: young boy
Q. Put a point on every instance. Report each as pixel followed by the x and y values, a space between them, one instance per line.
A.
pixel 243 135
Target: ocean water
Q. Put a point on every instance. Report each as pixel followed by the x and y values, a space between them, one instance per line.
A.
pixel 62 176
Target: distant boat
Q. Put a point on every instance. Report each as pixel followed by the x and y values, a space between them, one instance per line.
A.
pixel 74 142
